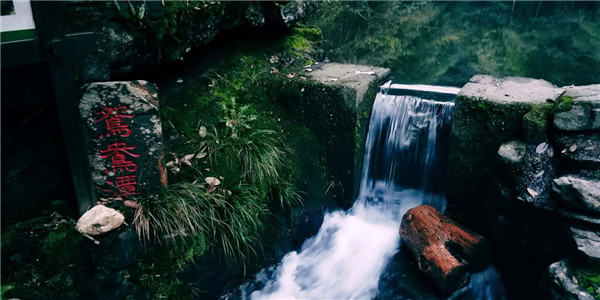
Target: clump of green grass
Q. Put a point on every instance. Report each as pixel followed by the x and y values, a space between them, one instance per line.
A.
pixel 228 216
pixel 186 212
pixel 249 150
pixel 285 194
pixel 260 154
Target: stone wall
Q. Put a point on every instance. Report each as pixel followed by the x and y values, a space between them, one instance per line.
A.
pixel 525 169
pixel 334 101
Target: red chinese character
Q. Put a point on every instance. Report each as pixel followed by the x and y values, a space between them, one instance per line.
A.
pixel 117 152
pixel 126 185
pixel 114 121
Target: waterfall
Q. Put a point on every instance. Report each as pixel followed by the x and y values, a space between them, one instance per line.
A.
pixel 406 149
pixel 404 166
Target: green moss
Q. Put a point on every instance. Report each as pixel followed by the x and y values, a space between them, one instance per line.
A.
pixel 562 104
pixel 42 261
pixel 312 33
pixel 163 287
pixel 301 43
pixel 4 289
pixel 536 123
pixel 58 247
pixel 480 105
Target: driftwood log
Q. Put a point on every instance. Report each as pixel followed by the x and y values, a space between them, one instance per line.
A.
pixel 445 251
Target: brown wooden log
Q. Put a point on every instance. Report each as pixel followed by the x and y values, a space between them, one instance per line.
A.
pixel 445 251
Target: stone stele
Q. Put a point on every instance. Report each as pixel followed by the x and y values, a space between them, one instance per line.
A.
pixel 123 138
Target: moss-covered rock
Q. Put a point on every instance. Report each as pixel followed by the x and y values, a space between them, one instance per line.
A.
pixel 536 123
pixel 347 114
pixel 580 109
pixel 139 36
pixel 58 245
pixel 488 112
pixel 535 117
pixel 569 279
pixel 40 261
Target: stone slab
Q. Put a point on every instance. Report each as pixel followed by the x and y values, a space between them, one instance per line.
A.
pixel 585 112
pixel 123 138
pixel 355 77
pixel 580 150
pixel 580 220
pixel 510 89
pixel 579 193
pixel 560 282
pixel 335 101
pixel 588 243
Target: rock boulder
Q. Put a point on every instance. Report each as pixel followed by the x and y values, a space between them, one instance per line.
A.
pixel 488 112
pixel 578 192
pixel 528 171
pixel 511 154
pixel 100 219
pixel 579 150
pixel 588 243
pixel 560 282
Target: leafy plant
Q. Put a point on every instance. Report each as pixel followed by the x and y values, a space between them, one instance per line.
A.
pixel 237 118
pixel 589 280
pixel 132 13
pixel 242 148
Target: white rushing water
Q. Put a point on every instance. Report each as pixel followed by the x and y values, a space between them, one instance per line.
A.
pixel 404 165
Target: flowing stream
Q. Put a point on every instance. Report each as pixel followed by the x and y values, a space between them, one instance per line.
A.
pixel 404 166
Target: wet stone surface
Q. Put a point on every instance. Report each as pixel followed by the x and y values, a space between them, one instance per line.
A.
pixel 579 193
pixel 355 77
pixel 588 243
pixel 580 150
pixel 123 138
pixel 510 90
pixel 527 169
pixel 560 282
